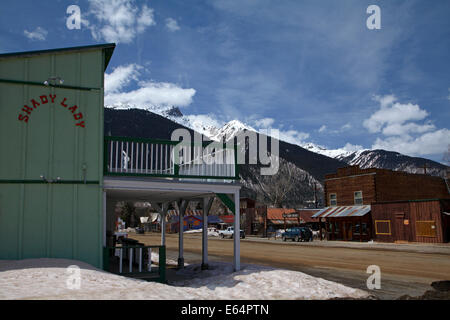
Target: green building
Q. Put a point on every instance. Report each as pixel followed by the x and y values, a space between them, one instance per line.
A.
pixel 60 177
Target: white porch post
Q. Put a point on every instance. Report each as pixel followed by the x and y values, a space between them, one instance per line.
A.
pixel 163 223
pixel 162 210
pixel 182 205
pixel 237 233
pixel 207 202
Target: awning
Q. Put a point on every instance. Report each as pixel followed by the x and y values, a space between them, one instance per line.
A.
pixel 342 211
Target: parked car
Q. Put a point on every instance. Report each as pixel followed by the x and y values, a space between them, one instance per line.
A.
pixel 298 234
pixel 140 230
pixel 229 233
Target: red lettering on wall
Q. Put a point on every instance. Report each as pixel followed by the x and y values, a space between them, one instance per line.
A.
pixel 63 104
pixel 44 99
pixel 35 103
pixel 73 108
pixel 27 109
pixel 23 118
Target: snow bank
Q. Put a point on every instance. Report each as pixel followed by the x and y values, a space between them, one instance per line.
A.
pixel 194 231
pixel 46 279
pixel 211 233
pixel 260 282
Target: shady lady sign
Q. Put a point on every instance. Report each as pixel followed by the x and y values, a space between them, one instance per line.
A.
pixel 37 103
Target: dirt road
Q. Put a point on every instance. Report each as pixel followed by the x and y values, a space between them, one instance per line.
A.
pixel 401 272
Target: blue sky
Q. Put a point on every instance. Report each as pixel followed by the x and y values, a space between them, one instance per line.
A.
pixel 309 68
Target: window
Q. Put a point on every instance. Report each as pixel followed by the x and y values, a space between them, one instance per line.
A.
pixel 358 196
pixel 333 199
pixel 383 227
pixel 364 228
pixel 357 228
pixel 425 228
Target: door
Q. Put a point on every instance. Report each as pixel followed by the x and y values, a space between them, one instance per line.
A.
pixel 401 225
pixel 349 230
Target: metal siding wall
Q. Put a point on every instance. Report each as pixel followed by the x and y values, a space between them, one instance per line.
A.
pixel 57 220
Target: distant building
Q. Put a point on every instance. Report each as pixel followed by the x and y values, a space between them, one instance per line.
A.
pixel 261 220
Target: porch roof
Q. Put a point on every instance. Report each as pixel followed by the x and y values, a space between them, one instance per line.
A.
pixel 162 190
pixel 342 211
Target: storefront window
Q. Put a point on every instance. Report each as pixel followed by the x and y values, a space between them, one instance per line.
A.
pixel 364 228
pixel 357 228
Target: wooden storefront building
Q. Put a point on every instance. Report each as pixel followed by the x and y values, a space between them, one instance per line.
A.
pixel 412 221
pixel 263 220
pixel 356 198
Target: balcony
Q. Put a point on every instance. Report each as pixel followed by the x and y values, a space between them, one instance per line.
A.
pixel 170 159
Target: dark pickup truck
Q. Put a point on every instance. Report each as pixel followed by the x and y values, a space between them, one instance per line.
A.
pixel 298 234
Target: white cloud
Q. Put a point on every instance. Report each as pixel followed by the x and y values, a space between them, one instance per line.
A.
pixel 392 113
pixel 396 129
pixel 153 93
pixel 429 143
pixel 343 128
pixel 264 123
pixel 172 24
pixel 38 34
pixel 293 136
pixel 120 77
pixel 118 21
pixel 352 147
pixel 403 130
pixel 148 93
pixel 145 19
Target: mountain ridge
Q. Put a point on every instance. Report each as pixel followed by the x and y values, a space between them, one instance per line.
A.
pixel 308 167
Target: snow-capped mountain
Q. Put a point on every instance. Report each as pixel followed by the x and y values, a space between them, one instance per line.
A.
pixel 230 130
pixel 332 153
pixel 216 130
pixel 307 164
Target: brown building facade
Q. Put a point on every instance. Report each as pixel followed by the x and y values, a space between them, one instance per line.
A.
pixel 402 206
pixel 354 186
pixel 412 221
pixel 263 220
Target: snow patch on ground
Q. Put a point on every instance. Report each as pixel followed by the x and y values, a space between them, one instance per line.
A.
pixel 211 233
pixel 46 279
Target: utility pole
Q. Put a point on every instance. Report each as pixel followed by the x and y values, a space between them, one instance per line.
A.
pixel 315 195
